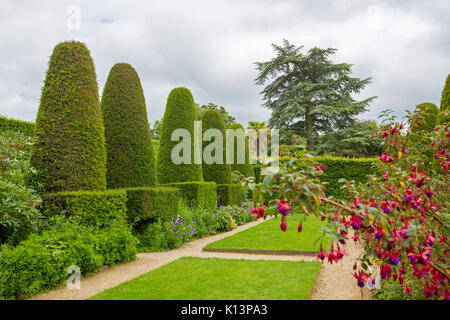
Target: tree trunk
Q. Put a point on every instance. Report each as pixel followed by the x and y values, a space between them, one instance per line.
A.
pixel 309 131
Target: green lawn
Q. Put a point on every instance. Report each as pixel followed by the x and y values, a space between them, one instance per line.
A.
pixel 220 279
pixel 268 236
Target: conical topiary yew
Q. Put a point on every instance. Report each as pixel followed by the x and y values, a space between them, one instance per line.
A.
pixel 246 168
pixel 215 172
pixel 129 150
pixel 70 150
pixel 444 116
pixel 180 113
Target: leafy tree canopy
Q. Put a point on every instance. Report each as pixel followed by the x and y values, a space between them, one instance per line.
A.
pixel 308 93
pixel 227 118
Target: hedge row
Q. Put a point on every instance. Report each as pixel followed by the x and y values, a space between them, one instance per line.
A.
pixel 144 203
pixel 41 261
pixel 357 169
pixel 93 208
pixel 229 194
pixel 25 127
pixel 201 194
pixel 337 168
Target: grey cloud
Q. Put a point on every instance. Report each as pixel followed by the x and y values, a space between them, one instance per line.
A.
pixel 210 47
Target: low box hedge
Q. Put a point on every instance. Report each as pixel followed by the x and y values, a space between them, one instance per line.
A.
pixel 152 202
pixel 93 208
pixel 25 127
pixel 197 194
pixel 229 194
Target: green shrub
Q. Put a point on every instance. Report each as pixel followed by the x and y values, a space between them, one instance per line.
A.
pixel 18 202
pixel 70 150
pixel 229 194
pixel 129 149
pixel 215 172
pixel 444 111
pixel 92 208
pixel 179 114
pixel 337 168
pixel 246 169
pixel 24 127
pixel 146 203
pixel 42 260
pixel 200 194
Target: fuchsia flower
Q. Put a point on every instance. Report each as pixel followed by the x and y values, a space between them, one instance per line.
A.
pixel 384 133
pixel 254 210
pixel 340 253
pixel 321 255
pixel 300 228
pixel 261 211
pixel 361 278
pixel 394 258
pixel 284 207
pixel 386 158
pixel 355 222
pixel 429 193
pixel 385 271
pixel 379 233
pixel 357 201
pixel 386 207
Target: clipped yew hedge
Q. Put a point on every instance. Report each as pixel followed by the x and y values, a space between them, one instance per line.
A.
pixel 198 194
pixel 25 127
pixel 180 113
pixel 130 159
pixel 229 194
pixel 147 203
pixel 444 116
pixel 70 150
pixel 93 208
pixel 246 169
pixel 219 173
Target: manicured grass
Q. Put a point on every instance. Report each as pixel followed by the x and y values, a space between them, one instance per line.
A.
pixel 268 236
pixel 220 279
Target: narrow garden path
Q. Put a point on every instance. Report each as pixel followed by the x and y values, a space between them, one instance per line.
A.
pixel 336 281
pixel 328 285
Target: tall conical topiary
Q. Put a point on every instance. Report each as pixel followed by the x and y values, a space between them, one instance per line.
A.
pixel 246 168
pixel 427 115
pixel 70 150
pixel 444 116
pixel 215 172
pixel 129 150
pixel 180 113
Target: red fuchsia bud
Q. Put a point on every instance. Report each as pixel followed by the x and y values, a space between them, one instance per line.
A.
pixel 419 123
pixel 283 226
pixel 400 279
pixel 355 266
pixel 322 218
pixel 261 210
pixel 300 228
pixel 394 276
pixel 254 210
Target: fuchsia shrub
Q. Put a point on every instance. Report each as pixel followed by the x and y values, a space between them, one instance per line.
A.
pixel 401 216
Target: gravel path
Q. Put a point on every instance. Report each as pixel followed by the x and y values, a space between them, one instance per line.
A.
pixel 336 281
pixel 328 285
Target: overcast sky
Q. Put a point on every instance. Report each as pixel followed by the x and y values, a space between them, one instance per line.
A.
pixel 210 47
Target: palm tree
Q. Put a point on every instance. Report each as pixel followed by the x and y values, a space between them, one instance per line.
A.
pixel 256 125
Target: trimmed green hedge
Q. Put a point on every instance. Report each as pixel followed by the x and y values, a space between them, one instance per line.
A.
pixel 69 153
pixel 93 208
pixel 180 113
pixel 357 169
pixel 130 159
pixel 350 169
pixel 215 172
pixel 25 127
pixel 229 194
pixel 41 261
pixel 246 168
pixel 198 194
pixel 144 203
